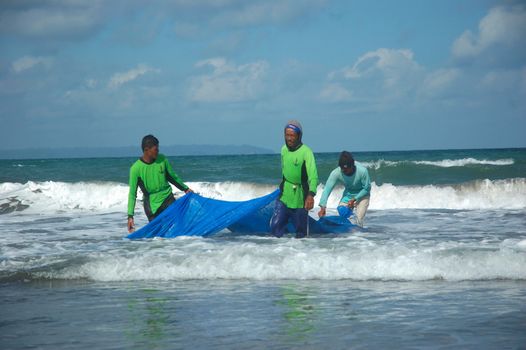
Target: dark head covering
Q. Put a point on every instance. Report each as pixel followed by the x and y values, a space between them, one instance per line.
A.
pixel 346 160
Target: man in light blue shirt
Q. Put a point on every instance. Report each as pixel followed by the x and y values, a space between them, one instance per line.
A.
pixel 356 194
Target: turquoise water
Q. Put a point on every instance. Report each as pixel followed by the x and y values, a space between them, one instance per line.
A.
pixel 442 263
pixel 399 168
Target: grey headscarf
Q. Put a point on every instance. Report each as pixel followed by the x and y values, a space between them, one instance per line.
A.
pixel 296 126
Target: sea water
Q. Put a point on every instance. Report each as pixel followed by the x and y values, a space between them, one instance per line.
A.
pixel 440 264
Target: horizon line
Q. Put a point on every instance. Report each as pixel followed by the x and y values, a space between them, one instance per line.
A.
pixel 2 157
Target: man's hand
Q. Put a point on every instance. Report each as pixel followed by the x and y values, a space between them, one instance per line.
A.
pixel 188 190
pixel 131 225
pixel 351 203
pixel 309 202
pixel 322 212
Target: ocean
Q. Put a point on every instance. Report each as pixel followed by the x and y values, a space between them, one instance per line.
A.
pixel 440 264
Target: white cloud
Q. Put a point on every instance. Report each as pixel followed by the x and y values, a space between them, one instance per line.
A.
pixel 91 83
pixel 391 79
pixel 335 93
pixel 199 18
pixel 393 64
pixel 504 81
pixel 54 19
pixel 228 82
pixel 268 11
pixel 379 77
pixel 502 26
pixel 119 79
pixel 28 62
pixel 72 20
pixel 440 80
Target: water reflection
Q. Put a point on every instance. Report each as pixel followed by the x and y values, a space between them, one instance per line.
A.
pixel 148 319
pixel 299 311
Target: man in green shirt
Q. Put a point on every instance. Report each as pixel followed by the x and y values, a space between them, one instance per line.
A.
pixel 355 177
pixel 152 173
pixel 298 187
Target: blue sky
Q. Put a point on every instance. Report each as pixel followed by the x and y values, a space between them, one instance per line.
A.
pixel 359 75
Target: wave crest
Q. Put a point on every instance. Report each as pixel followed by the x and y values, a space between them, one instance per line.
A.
pixel 274 259
pixel 52 196
pixel 444 163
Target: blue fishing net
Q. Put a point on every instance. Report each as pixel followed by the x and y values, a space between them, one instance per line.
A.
pixel 194 215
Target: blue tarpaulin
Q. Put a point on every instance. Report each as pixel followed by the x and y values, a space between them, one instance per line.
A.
pixel 194 215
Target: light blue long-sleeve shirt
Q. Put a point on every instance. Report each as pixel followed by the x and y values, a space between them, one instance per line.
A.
pixel 357 186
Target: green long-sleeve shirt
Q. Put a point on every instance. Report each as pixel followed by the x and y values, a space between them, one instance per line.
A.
pixel 357 185
pixel 153 179
pixel 300 176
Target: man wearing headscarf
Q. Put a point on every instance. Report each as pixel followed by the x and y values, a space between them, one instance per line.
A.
pixel 298 186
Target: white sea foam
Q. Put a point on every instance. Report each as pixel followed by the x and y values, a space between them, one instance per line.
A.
pixel 52 196
pixel 379 163
pixel 483 194
pixel 231 191
pixel 445 163
pixel 274 259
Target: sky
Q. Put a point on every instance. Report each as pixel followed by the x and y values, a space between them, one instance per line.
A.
pixel 359 75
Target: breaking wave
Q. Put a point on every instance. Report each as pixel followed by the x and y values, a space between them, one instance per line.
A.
pixel 354 258
pixel 52 196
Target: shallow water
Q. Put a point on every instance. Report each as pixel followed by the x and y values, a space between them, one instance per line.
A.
pixel 441 264
pixel 438 283
pixel 266 314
